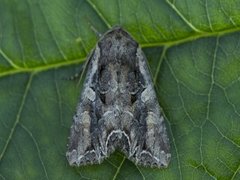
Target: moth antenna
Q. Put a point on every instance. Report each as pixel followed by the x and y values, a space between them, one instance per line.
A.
pixel 96 31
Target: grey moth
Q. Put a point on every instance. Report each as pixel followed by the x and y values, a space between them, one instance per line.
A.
pixel 118 107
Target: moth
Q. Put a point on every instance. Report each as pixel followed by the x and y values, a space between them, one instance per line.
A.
pixel 118 107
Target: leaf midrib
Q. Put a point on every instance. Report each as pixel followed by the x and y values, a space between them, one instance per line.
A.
pixel 36 69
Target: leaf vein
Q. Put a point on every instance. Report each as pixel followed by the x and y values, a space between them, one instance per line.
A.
pixel 37 147
pixel 52 34
pixel 17 116
pixel 183 17
pixel 99 13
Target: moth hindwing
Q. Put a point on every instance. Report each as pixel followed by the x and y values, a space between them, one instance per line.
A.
pixel 118 107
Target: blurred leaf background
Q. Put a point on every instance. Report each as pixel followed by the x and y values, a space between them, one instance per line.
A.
pixel 193 52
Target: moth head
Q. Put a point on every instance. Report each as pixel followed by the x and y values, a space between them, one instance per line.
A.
pixel 117 45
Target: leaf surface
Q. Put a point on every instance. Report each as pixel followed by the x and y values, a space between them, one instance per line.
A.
pixel 193 54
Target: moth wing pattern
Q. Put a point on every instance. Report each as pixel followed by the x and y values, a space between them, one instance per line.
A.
pixel 155 150
pixel 118 107
pixel 82 149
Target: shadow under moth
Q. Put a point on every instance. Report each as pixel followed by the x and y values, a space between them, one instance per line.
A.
pixel 118 107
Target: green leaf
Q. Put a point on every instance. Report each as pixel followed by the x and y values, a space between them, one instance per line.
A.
pixel 193 52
